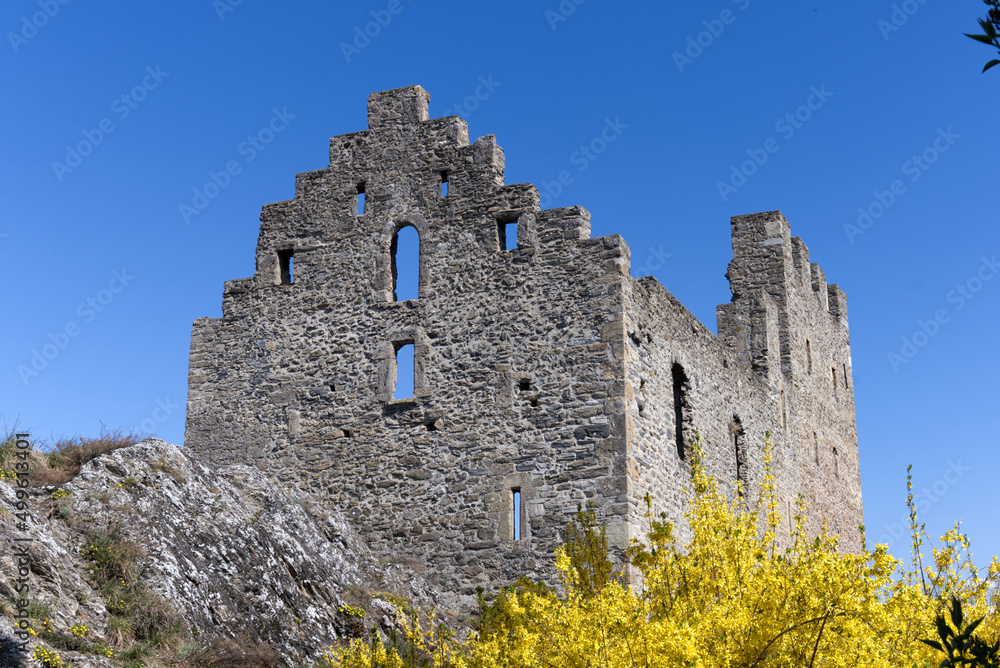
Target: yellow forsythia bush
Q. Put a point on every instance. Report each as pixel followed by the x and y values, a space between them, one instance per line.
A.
pixel 729 598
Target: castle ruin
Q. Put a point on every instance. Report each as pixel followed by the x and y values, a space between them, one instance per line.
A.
pixel 545 376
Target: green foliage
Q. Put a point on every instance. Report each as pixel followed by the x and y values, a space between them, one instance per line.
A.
pixel 991 30
pixel 962 648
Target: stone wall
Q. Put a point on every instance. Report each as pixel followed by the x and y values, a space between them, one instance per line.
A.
pixel 758 377
pixel 530 364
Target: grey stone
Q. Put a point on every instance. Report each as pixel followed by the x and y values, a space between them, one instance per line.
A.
pixel 550 354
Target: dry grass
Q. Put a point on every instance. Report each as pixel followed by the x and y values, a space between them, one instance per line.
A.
pixel 112 557
pixel 141 620
pixel 164 466
pixel 61 462
pixel 243 652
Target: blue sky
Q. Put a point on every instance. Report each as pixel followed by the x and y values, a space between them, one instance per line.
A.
pixel 844 106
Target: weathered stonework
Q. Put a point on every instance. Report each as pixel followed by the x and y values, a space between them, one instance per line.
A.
pixel 545 370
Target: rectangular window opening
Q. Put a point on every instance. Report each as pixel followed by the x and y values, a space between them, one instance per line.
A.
pixel 507 233
pixel 847 384
pixel 784 412
pixel 834 372
pixel 742 476
pixel 403 388
pixel 680 383
pixel 361 198
pixel 516 513
pixel 285 262
pixel 444 184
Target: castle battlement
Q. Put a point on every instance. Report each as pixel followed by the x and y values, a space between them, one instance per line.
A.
pixel 545 376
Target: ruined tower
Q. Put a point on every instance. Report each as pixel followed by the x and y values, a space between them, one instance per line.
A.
pixel 545 376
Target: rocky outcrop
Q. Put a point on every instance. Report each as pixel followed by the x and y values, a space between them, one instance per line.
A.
pixel 232 553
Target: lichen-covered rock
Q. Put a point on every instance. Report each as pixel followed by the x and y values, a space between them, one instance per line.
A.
pixel 230 551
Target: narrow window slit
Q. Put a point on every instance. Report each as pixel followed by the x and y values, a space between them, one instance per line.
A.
pixel 361 198
pixel 784 412
pixel 742 474
pixel 285 262
pixel 444 183
pixel 515 514
pixel 680 383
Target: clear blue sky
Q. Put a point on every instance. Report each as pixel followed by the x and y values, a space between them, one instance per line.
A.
pixel 210 75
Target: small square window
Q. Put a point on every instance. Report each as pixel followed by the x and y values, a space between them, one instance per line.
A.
pixel 507 233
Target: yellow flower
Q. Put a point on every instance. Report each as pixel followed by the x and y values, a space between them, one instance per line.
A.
pixel 744 588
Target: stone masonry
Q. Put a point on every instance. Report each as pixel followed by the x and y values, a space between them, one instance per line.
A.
pixel 544 376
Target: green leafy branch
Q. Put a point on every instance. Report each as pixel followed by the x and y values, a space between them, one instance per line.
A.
pixel 961 648
pixel 991 30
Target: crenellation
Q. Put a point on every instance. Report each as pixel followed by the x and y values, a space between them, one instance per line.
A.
pixel 545 373
pixel 838 303
pixel 819 286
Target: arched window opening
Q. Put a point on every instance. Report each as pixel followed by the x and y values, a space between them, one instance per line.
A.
pixel 682 409
pixel 405 251
pixel 739 445
pixel 403 383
